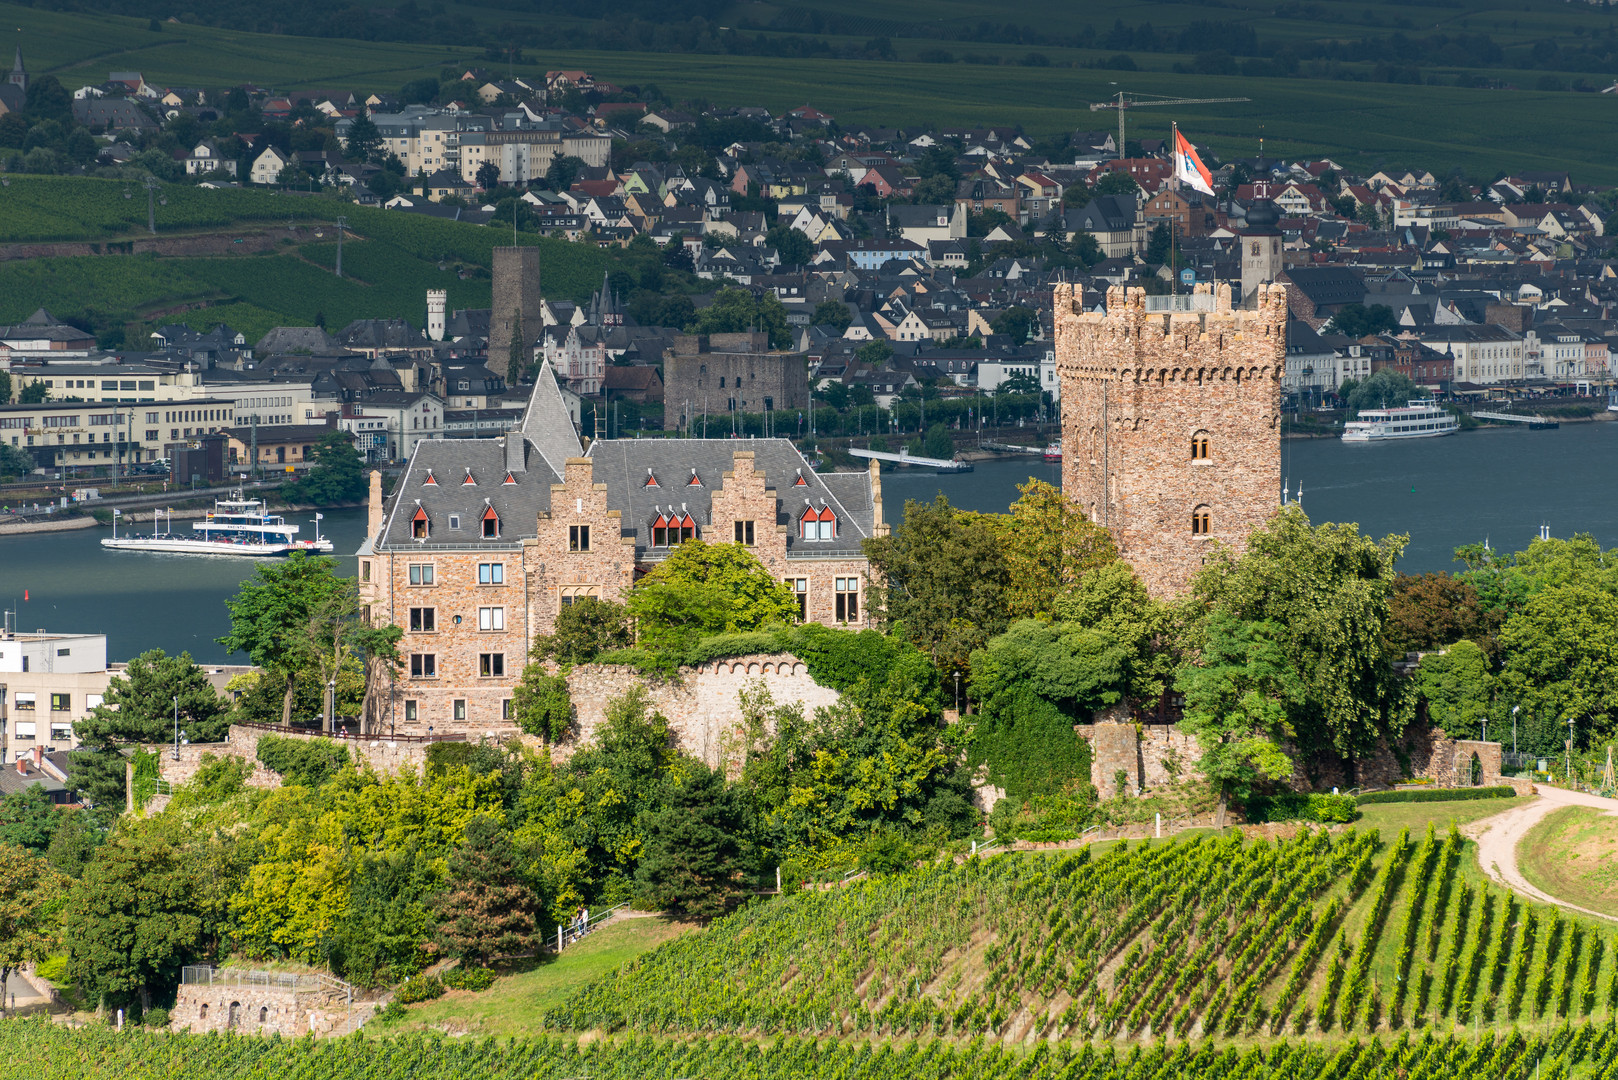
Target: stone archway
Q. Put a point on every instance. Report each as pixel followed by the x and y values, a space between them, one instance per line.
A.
pixel 235 1016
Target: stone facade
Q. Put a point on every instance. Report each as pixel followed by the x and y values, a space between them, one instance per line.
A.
pixel 1171 421
pixel 703 705
pixel 265 1010
pixel 714 374
pixel 515 304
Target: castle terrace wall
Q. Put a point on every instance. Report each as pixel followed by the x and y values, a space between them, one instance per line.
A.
pixel 702 705
pixel 264 1010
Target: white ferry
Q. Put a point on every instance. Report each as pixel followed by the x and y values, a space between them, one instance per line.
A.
pixel 236 526
pixel 1418 420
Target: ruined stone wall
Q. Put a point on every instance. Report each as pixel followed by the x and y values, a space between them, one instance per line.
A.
pixel 702 705
pixel 1138 388
pixel 263 1010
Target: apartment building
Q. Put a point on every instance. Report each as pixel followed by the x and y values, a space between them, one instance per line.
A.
pixel 76 436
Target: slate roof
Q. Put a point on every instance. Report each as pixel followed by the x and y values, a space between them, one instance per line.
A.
pixel 622 465
pixel 547 423
pixel 448 462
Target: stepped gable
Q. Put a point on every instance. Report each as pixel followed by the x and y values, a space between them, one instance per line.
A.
pixel 548 425
pixel 449 462
pixel 622 465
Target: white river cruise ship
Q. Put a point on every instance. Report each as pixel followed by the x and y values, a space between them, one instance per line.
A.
pixel 1417 420
pixel 235 526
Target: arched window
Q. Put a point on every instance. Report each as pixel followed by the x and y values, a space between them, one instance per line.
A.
pixel 263 1013
pixel 1199 446
pixel 1199 522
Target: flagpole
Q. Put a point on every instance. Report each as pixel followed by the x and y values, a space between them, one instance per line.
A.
pixel 1174 271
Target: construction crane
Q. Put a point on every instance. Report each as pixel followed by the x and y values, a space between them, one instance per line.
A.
pixel 1125 102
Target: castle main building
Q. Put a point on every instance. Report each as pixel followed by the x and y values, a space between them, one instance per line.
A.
pixel 1171 413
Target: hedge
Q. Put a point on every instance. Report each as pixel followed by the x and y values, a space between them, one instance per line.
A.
pixel 1326 809
pixel 1464 794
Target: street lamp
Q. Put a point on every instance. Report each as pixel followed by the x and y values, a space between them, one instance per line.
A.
pixel 331 705
pixel 1514 710
pixel 179 736
pixel 957 692
pixel 1570 751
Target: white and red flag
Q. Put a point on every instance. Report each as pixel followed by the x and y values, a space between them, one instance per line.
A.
pixel 1188 167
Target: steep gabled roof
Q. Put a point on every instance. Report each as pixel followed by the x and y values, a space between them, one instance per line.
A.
pixel 548 425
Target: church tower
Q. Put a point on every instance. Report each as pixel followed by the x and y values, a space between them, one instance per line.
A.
pixel 1171 421
pixel 19 74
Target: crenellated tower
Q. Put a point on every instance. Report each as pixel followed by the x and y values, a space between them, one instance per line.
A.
pixel 1171 409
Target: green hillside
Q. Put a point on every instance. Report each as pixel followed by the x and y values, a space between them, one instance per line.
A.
pixel 390 259
pixel 1320 937
pixel 1346 107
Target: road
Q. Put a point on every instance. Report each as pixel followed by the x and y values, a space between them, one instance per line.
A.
pixel 1497 838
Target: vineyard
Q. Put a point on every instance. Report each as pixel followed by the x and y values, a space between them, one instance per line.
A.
pixel 1321 935
pixel 51 1051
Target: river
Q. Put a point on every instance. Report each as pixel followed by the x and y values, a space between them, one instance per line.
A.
pixel 1499 485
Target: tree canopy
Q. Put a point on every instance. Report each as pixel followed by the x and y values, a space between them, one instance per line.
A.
pixel 703 589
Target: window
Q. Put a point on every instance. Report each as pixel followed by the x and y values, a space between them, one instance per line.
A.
pixel 491 573
pixel 421 573
pixel 817 524
pixel 492 665
pixel 458 709
pixel 1199 522
pixel 505 709
pixel 424 665
pixel 61 732
pixel 23 703
pixel 1199 446
pixel 423 620
pixel 848 599
pixel 61 703
pixel 744 533
pixel 410 717
pixel 92 701
pixel 418 524
pixel 578 538
pixel 365 570
pixel 491 618
pixel 800 589
pixel 25 730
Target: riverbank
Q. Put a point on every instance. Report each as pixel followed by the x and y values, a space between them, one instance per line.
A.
pixel 44 525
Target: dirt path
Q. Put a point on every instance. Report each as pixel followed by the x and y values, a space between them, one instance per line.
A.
pixel 1499 836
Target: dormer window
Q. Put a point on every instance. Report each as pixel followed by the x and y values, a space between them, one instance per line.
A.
pixel 491 524
pixel 800 481
pixel 430 481
pixel 694 481
pixel 510 479
pixel 469 482
pixel 418 524
pixel 817 524
pixel 651 481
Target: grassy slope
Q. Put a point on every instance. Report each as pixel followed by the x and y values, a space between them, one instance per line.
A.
pixel 1368 124
pixel 1391 817
pixel 510 1007
pixel 1572 854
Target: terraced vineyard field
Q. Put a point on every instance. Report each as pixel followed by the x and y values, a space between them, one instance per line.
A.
pixel 1317 935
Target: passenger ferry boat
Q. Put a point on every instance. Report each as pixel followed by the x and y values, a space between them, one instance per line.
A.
pixel 1419 420
pixel 236 526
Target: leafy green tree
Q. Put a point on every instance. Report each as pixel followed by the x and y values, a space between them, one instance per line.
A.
pixel 1237 701
pixel 5 385
pixel 136 918
pixel 139 708
pixel 1114 182
pixel 1018 323
pixel 938 443
pixel 338 475
pixel 584 628
pixel 48 99
pixel 32 893
pixel 364 140
pixel 1561 662
pixel 487 909
pixel 1049 546
pixel 1430 611
pixel 541 704
pixel 35 393
pixel 74 843
pixel 1357 320
pixel 28 819
pixel 692 863
pixel 299 620
pixel 793 247
pixel 1381 390
pixel 1327 591
pixel 1458 688
pixel 833 313
pixel 13 462
pixel 703 589
pixel 734 310
pixel 378 940
pixel 876 353
pixel 488 176
pixel 1111 600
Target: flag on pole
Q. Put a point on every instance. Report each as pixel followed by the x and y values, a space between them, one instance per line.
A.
pixel 1188 167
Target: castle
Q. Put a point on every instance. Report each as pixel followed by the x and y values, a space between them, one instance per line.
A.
pixel 1171 411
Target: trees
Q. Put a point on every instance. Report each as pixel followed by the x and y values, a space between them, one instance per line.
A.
pixel 364 140
pixel 488 176
pixel 704 588
pixel 692 862
pixel 1458 688
pixel 1357 320
pixel 1326 590
pixel 31 897
pixel 540 703
pixel 793 247
pixel 487 909
pixel 1381 390
pixel 1237 702
pixel 584 628
pixel 35 393
pixel 13 462
pixel 338 475
pixel 877 353
pixel 734 310
pixel 1561 662
pixel 28 819
pixel 136 918
pixel 833 313
pixel 1049 546
pixel 1116 183
pixel 1429 611
pixel 298 619
pixel 139 708
pixel 1018 323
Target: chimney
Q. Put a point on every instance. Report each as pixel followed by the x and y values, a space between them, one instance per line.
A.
pixel 515 456
pixel 39 757
pixel 22 764
pixel 878 528
pixel 373 508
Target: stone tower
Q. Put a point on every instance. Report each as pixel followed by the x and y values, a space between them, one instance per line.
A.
pixel 437 303
pixel 1171 421
pixel 19 74
pixel 515 306
pixel 1261 249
